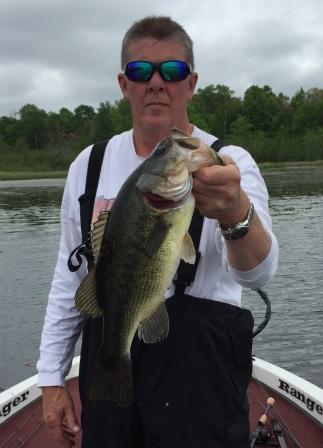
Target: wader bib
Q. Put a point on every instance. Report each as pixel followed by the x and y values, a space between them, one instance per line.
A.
pixel 190 390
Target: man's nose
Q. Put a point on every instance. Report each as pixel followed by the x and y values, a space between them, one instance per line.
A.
pixel 156 82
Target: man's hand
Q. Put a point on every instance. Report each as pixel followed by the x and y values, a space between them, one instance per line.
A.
pixel 218 193
pixel 59 414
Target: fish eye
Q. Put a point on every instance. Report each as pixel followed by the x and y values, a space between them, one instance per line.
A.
pixel 163 146
pixel 160 150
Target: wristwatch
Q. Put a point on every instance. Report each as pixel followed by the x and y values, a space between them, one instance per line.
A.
pixel 242 228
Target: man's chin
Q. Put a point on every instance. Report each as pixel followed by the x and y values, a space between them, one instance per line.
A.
pixel 158 122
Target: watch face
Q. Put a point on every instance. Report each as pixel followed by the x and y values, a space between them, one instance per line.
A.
pixel 236 233
pixel 241 228
pixel 239 233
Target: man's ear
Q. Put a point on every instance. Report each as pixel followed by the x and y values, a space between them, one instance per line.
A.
pixel 123 84
pixel 192 84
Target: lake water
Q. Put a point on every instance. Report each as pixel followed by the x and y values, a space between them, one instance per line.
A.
pixel 293 339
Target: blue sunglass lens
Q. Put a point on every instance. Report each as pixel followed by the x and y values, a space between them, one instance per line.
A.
pixel 139 71
pixel 174 70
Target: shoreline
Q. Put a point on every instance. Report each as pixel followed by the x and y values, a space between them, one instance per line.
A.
pixel 34 175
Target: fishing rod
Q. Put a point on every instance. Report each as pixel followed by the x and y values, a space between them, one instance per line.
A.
pixel 261 434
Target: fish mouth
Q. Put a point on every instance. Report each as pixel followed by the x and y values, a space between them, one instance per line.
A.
pixel 166 195
pixel 157 202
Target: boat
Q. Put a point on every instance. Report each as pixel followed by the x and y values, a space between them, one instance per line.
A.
pixel 286 411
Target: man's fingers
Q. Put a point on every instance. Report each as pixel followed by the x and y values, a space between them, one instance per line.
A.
pixel 70 419
pixel 216 188
pixel 58 432
pixel 68 436
pixel 62 433
pixel 218 174
pixel 227 160
pixel 213 183
pixel 59 414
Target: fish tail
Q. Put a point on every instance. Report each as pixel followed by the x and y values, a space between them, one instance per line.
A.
pixel 112 380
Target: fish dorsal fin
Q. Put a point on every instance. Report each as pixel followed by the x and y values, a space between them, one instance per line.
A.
pixel 86 299
pixel 156 326
pixel 188 250
pixel 97 233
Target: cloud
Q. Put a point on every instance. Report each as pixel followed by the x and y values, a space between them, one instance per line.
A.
pixel 63 54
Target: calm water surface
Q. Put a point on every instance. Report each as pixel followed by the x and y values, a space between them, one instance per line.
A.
pixel 29 238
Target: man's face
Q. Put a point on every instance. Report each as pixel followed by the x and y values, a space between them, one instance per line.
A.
pixel 156 102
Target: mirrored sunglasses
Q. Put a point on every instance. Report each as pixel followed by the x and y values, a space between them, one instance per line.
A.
pixel 142 71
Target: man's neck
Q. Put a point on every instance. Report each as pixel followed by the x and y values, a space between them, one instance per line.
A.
pixel 146 142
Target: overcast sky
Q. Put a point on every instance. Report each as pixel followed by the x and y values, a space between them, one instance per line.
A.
pixel 63 53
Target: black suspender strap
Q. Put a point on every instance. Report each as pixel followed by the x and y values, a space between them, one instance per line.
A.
pixel 217 145
pixel 87 203
pixel 92 179
pixel 186 272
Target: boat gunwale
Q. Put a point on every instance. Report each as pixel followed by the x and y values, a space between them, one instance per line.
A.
pixel 19 396
pixel 298 391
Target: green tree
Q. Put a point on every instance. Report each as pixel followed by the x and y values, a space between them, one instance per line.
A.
pixel 66 121
pixel 240 131
pixel 34 126
pixel 312 144
pixel 9 130
pixel 283 119
pixel 216 108
pixel 309 113
pixel 82 114
pixel 298 99
pixel 103 122
pixel 121 116
pixel 197 117
pixel 84 125
pixel 261 107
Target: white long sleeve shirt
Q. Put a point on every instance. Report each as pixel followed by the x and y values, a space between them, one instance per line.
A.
pixel 215 278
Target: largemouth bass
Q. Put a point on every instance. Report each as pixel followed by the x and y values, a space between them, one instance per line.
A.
pixel 137 249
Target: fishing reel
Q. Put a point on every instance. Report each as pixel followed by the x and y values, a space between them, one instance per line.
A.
pixel 263 436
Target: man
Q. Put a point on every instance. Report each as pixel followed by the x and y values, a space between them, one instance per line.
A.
pixel 190 390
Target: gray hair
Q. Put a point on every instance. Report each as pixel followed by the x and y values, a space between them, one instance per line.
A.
pixel 157 27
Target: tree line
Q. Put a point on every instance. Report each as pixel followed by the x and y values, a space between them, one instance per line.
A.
pixel 274 128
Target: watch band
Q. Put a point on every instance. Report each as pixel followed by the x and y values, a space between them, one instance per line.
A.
pixel 241 229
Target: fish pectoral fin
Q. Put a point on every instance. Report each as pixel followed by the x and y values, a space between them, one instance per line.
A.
pixel 86 299
pixel 157 237
pixel 188 250
pixel 156 327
